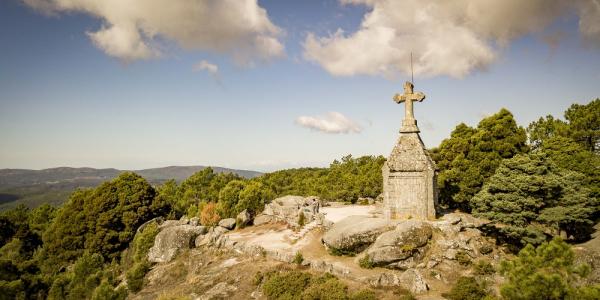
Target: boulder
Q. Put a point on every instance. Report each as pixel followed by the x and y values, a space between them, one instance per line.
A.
pixel 263 219
pixel 195 221
pixel 227 223
pixel 171 240
pixel 355 233
pixel 288 209
pixel 244 217
pixel 212 237
pixel 171 223
pixel 400 248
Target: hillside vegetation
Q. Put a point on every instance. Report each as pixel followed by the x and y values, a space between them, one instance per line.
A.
pixel 534 185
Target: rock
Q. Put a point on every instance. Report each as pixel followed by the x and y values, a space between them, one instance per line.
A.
pixel 413 281
pixel 184 220
pixel 157 220
pixel 354 233
pixel 195 221
pixel 402 243
pixel 244 217
pixel 171 223
pixel 212 237
pixel 288 209
pixel 171 240
pixel 221 290
pixel 263 219
pixel 227 223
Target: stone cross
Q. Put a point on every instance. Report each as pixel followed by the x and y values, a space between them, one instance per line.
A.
pixel 409 124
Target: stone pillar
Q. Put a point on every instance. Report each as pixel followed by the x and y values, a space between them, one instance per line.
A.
pixel 409 179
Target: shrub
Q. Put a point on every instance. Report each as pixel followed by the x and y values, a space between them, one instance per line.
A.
pixel 301 219
pixel 135 276
pixel 330 289
pixel 463 258
pixel 105 291
pixel 144 241
pixel 366 263
pixel 548 272
pixel 364 294
pixel 467 288
pixel 404 294
pixel 286 285
pixel 483 267
pixel 209 216
pixel 298 258
pixel 341 252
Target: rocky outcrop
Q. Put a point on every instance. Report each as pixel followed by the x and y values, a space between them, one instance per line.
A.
pixel 227 223
pixel 170 240
pixel 355 233
pixel 244 218
pixel 214 237
pixel 289 208
pixel 263 219
pixel 402 247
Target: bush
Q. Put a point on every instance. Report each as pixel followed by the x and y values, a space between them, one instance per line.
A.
pixel 286 285
pixel 545 272
pixel 463 258
pixel 329 289
pixel 298 258
pixel 209 216
pixel 135 276
pixel 364 294
pixel 105 291
pixel 144 241
pixel 301 219
pixel 467 288
pixel 366 263
pixel 483 267
pixel 404 294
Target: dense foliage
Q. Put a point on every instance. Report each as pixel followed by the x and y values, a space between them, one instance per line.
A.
pixel 471 155
pixel 305 286
pixel 548 272
pixel 532 196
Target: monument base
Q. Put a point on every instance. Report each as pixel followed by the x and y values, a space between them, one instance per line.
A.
pixel 409 180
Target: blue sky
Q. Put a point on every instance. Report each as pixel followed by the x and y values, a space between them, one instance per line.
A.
pixel 64 101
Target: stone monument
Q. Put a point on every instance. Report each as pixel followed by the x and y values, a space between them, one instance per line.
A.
pixel 409 174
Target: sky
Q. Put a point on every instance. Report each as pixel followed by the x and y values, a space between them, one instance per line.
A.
pixel 267 85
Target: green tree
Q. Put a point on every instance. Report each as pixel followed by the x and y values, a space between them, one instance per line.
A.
pixel 470 156
pixel 584 123
pixel 203 186
pixel 253 198
pixel 229 197
pixel 529 195
pixel 544 129
pixel 548 272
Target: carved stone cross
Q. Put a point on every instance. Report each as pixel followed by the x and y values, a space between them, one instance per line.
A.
pixel 409 124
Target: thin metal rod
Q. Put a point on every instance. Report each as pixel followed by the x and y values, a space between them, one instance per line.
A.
pixel 412 75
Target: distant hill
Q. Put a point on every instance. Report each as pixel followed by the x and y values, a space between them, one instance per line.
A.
pixel 53 186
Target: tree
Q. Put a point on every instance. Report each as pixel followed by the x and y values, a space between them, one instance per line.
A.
pixel 203 186
pixel 530 196
pixel 548 272
pixel 544 129
pixel 253 198
pixel 229 197
pixel 470 156
pixel 102 220
pixel 584 123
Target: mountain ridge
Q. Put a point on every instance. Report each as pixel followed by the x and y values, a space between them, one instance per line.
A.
pixel 54 185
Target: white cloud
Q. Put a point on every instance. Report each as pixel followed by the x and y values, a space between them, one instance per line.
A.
pixel 134 29
pixel 333 122
pixel 446 37
pixel 204 65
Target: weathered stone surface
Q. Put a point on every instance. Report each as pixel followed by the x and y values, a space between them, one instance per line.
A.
pixel 263 219
pixel 212 237
pixel 221 290
pixel 171 223
pixel 411 279
pixel 400 248
pixel 409 174
pixel 288 209
pixel 195 221
pixel 227 223
pixel 355 233
pixel 171 240
pixel 244 217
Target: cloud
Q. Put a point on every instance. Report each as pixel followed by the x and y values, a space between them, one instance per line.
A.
pixel 451 38
pixel 333 122
pixel 138 29
pixel 204 65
